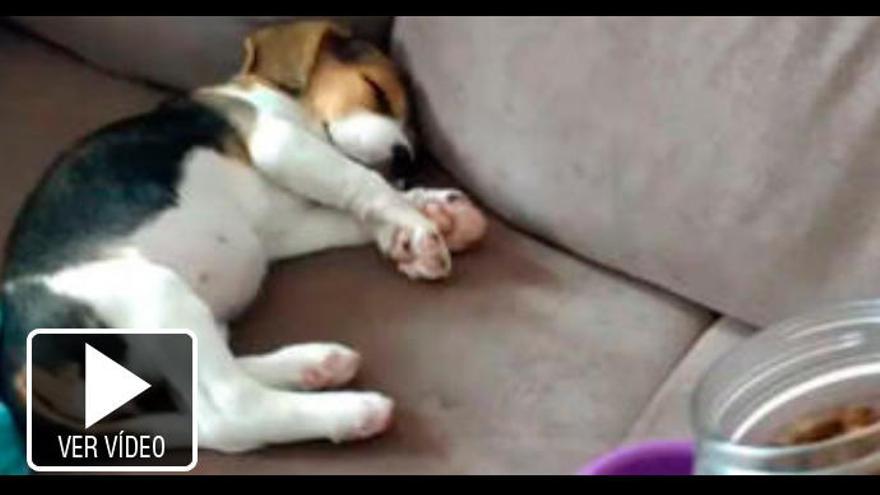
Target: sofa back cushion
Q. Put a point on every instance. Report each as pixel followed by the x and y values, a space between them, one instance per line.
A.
pixel 178 51
pixel 735 161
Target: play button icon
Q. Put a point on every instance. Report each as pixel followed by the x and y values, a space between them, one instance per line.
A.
pixel 101 400
pixel 109 386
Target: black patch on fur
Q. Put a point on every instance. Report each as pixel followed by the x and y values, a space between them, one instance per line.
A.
pixel 107 185
pixel 103 188
pixel 28 306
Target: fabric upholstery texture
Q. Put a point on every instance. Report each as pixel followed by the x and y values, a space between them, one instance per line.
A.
pixel 178 51
pixel 668 416
pixel 732 160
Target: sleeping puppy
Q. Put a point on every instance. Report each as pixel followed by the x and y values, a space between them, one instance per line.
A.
pixel 170 219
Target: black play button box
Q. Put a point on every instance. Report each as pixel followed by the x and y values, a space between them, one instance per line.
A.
pixel 111 400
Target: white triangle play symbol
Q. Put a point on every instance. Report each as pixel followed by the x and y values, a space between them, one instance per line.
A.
pixel 108 385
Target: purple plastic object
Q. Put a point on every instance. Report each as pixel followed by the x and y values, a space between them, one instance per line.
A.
pixel 656 458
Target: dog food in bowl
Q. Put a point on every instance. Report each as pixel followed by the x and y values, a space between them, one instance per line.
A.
pixel 827 425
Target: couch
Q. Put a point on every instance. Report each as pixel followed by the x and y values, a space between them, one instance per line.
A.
pixel 658 189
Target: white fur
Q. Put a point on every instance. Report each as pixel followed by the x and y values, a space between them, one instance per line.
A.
pixel 297 158
pixel 236 411
pixel 198 264
pixel 210 240
pixel 368 137
pixel 304 366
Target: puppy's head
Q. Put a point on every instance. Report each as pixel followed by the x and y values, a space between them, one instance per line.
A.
pixel 347 85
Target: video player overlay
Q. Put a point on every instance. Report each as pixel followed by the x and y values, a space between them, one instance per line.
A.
pixel 111 400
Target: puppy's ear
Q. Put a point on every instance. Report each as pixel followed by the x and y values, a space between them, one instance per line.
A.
pixel 285 54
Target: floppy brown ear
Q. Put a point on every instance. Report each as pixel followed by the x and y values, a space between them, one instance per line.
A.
pixel 285 54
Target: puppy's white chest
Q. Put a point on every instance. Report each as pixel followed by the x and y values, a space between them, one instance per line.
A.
pixel 208 238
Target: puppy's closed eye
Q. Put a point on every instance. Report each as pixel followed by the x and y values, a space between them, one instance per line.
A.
pixel 383 104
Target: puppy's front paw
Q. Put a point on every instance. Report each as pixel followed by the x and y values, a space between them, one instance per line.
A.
pixel 420 253
pixel 410 239
pixel 366 415
pixel 458 219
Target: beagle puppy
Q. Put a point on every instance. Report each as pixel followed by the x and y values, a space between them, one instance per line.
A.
pixel 169 220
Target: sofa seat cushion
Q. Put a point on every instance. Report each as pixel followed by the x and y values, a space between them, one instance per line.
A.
pixel 527 361
pixel 668 415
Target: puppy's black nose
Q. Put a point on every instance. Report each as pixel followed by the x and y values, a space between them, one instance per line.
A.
pixel 403 164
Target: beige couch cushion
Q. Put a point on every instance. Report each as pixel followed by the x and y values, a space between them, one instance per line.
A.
pixel 528 361
pixel 668 415
pixel 178 51
pixel 731 160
